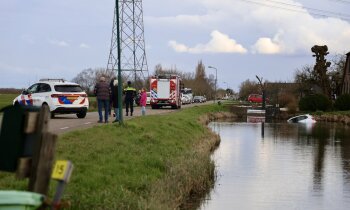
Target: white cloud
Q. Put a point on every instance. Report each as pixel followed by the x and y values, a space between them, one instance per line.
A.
pixel 83 45
pixel 59 43
pixel 266 46
pixel 260 26
pixel 220 43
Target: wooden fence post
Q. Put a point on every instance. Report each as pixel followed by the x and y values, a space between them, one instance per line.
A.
pixel 43 155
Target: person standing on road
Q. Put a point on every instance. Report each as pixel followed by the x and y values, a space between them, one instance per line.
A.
pixel 102 93
pixel 111 85
pixel 130 94
pixel 115 100
pixel 143 101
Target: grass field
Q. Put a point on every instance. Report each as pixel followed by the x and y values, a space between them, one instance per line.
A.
pixel 6 99
pixel 150 162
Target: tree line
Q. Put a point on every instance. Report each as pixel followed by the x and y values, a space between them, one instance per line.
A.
pixel 306 81
pixel 198 81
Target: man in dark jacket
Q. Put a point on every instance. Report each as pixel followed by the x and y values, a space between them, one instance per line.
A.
pixel 102 91
pixel 130 94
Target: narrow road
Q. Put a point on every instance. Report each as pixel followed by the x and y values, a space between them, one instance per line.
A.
pixel 69 122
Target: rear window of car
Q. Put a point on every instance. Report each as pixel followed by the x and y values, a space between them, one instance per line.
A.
pixel 68 88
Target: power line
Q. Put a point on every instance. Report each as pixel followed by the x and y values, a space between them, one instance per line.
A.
pixel 341 1
pixel 311 9
pixel 299 9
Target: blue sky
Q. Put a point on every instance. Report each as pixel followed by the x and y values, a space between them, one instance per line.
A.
pixel 241 38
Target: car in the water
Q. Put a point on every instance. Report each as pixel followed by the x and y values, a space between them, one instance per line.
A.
pixel 305 118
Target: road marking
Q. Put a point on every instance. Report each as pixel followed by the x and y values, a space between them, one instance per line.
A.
pixel 87 123
pixel 64 128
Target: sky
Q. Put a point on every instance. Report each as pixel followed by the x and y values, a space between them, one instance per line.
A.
pixel 242 39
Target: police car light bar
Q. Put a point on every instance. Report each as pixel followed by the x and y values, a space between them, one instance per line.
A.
pixel 53 80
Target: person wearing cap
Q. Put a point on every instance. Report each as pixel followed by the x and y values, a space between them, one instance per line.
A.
pixel 102 92
pixel 130 94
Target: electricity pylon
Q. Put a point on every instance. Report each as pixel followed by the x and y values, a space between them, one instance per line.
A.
pixel 133 61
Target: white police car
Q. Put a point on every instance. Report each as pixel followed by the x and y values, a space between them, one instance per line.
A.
pixel 60 96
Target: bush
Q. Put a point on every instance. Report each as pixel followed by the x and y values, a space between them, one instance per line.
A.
pixel 285 99
pixel 314 103
pixel 342 103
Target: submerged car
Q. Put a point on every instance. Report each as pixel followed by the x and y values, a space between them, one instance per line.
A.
pixel 60 96
pixel 305 118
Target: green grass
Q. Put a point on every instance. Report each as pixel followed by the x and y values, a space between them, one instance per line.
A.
pixel 151 162
pixel 6 99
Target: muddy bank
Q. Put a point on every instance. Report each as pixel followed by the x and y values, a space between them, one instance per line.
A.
pixel 344 119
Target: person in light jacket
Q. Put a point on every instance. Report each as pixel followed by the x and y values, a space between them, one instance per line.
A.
pixel 115 101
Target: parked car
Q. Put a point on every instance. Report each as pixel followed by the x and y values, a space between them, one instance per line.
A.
pixel 198 99
pixel 256 98
pixel 60 96
pixel 305 118
pixel 185 99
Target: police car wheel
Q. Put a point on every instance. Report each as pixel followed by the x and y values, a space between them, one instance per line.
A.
pixel 81 114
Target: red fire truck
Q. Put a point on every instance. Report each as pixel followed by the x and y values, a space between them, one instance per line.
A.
pixel 165 91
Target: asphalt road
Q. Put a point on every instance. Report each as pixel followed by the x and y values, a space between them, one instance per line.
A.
pixel 69 122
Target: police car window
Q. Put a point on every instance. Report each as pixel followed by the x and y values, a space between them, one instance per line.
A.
pixel 68 88
pixel 33 89
pixel 44 88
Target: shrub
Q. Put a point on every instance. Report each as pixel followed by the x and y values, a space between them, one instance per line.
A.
pixel 285 99
pixel 342 103
pixel 314 103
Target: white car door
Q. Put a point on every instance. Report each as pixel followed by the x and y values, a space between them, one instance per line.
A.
pixel 30 95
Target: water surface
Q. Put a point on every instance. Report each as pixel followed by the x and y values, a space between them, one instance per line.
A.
pixel 281 166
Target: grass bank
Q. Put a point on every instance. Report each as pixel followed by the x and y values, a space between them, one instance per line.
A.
pixel 6 99
pixel 151 162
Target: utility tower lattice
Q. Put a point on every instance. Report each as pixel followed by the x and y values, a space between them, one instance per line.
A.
pixel 132 44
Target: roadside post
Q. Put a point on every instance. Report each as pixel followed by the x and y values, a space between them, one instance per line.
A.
pixel 62 172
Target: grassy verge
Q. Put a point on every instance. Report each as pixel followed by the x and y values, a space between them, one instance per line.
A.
pixel 151 162
pixel 6 99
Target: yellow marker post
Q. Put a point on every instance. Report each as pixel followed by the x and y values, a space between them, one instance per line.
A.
pixel 61 172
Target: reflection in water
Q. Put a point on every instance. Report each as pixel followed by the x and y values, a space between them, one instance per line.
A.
pixel 281 166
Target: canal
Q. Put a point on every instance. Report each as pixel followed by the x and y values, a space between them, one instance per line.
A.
pixel 281 166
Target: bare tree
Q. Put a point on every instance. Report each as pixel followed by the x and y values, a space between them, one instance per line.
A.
pixel 307 77
pixel 88 77
pixel 248 87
